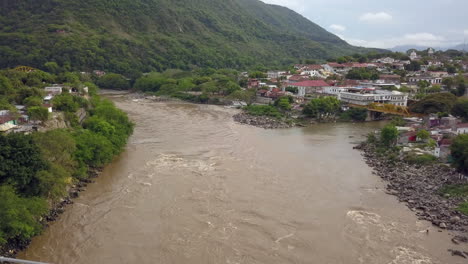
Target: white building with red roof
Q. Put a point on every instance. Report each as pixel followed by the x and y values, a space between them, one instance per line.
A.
pixel 309 87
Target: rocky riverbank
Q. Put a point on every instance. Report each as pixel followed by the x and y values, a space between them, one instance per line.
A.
pixel 14 246
pixel 418 186
pixel 262 121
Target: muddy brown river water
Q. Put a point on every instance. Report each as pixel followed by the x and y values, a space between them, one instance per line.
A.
pixel 195 187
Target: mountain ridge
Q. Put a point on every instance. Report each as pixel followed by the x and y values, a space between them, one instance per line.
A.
pixel 142 35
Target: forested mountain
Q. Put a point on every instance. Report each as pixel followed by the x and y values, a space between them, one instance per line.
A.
pixel 128 36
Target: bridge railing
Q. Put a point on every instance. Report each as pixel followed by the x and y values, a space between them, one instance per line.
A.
pixel 12 260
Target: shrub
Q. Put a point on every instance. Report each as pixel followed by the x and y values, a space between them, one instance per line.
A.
pixel 263 110
pixel 421 159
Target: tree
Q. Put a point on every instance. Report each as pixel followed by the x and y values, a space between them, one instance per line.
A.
pixel 113 81
pixel 65 102
pixel 459 150
pixel 460 109
pixel 38 113
pixel 19 217
pixel 355 114
pixel 451 69
pixel 258 75
pixel 247 96
pixel 423 135
pixel 461 89
pixel 284 104
pixel 20 160
pixel 57 147
pixel 52 67
pixel 448 82
pixel 33 101
pixel 6 88
pixel 413 66
pixel 434 103
pixel 323 107
pixel 389 135
pixel 293 90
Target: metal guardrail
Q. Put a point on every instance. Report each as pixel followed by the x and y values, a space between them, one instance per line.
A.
pixel 3 259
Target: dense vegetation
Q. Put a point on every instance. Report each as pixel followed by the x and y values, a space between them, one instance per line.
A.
pixel 36 169
pixel 434 103
pixel 322 108
pixel 132 36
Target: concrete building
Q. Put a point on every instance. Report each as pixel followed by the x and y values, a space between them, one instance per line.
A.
pixel 431 80
pixel 383 97
pixel 309 87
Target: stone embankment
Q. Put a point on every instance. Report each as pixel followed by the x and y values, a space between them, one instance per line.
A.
pixel 419 187
pixel 262 121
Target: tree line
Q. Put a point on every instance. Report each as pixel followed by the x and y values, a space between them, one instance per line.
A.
pixel 36 169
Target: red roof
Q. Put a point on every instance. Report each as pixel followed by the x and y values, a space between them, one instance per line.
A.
pixel 5 118
pixel 463 125
pixel 313 67
pixel 389 76
pixel 336 65
pixel 298 78
pixel 313 83
pixel 445 142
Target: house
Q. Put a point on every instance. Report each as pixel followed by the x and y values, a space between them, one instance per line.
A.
pixel 407 137
pixel 48 99
pixel 297 78
pixel 253 84
pixel 333 90
pixel 462 128
pixel 390 78
pixel 99 73
pixel 49 107
pixel 443 151
pixel 309 87
pixel 386 60
pixel 7 120
pixel 275 74
pixel 313 70
pixel 370 96
pixel 431 80
pixel 414 56
pixel 54 90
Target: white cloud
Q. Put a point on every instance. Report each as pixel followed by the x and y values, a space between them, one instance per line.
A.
pixel 465 32
pixel 376 17
pixel 417 39
pixel 336 27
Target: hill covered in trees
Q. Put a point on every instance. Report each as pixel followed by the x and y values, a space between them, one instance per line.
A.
pixel 128 36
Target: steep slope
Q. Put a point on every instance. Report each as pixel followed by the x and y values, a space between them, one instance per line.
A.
pixel 141 35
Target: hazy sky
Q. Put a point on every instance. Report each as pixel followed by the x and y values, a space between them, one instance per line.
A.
pixel 388 23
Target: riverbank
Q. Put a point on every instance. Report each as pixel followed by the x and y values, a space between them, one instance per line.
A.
pixel 14 246
pixel 419 187
pixel 263 121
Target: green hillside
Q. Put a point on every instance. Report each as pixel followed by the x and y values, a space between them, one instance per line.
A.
pixel 128 36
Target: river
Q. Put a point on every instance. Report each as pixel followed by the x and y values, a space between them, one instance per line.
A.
pixel 195 187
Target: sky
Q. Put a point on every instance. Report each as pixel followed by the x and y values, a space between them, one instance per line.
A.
pixel 388 23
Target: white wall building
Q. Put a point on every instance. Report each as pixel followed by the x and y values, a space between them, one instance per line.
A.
pixel 275 74
pixel 384 97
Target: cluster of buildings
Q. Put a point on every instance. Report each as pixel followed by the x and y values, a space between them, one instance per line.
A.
pixel 442 131
pixel 18 121
pixel 312 80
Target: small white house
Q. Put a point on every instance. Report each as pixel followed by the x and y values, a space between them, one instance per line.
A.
pixel 462 128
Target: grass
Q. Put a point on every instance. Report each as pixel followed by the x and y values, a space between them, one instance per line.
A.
pixel 263 110
pixel 457 191
pixel 421 159
pixel 463 208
